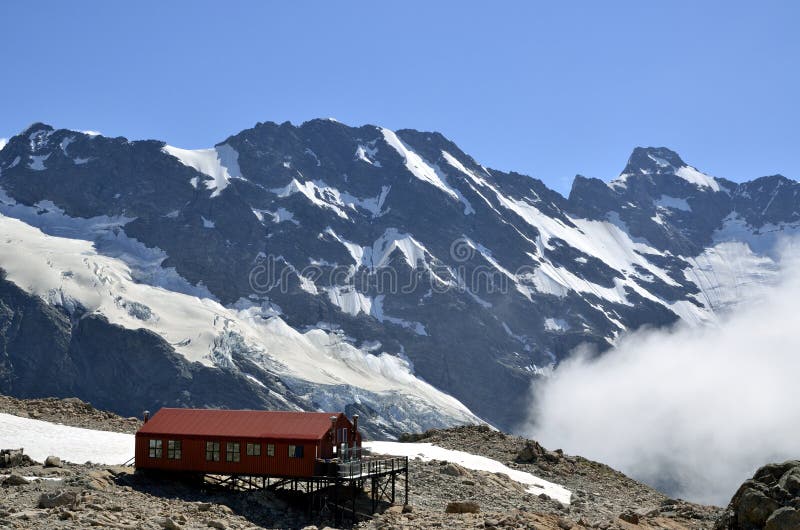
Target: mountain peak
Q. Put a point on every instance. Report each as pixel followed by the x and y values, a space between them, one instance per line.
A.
pixel 653 160
pixel 37 126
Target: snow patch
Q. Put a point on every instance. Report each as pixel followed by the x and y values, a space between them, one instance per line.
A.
pixel 71 444
pixel 37 162
pixel 665 201
pixel 690 174
pixel 428 451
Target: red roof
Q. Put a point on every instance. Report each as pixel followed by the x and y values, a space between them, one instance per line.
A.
pixel 240 423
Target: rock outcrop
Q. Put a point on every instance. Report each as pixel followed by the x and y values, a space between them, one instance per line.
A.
pixel 770 500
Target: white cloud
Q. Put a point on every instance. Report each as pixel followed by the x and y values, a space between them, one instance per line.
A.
pixel 693 412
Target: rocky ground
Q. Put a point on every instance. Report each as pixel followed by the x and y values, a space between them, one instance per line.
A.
pixel 65 495
pixel 70 411
pixel 602 498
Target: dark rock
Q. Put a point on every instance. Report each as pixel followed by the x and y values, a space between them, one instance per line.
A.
pixel 629 517
pixel 15 480
pixel 462 507
pixel 785 518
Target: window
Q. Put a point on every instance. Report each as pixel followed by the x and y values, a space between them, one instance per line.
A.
pixel 270 449
pixel 232 452
pixel 155 449
pixel 295 451
pixel 212 451
pixel 253 449
pixel 174 449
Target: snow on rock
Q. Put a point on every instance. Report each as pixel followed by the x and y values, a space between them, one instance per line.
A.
pixel 665 201
pixel 3 142
pixel 380 315
pixel 377 255
pixel 41 439
pixel 416 165
pixel 366 153
pixel 690 174
pixel 220 164
pixel 37 162
pixel 325 196
pixel 349 300
pixel 428 451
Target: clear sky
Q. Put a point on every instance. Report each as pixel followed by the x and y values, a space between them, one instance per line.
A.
pixel 549 89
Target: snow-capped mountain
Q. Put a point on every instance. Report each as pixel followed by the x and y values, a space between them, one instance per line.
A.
pixel 325 266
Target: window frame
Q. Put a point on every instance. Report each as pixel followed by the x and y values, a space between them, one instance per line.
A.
pixel 212 451
pixel 270 450
pixel 233 452
pixel 253 449
pixel 294 449
pixel 155 448
pixel 174 449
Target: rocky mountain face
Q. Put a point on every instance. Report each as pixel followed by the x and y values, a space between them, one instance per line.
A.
pixel 365 269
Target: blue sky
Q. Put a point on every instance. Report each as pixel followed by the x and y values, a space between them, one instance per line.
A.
pixel 549 89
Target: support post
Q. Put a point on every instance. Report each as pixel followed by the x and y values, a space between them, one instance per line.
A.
pixel 406 498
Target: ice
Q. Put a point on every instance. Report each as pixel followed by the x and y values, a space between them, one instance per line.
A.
pixel 203 330
pixel 428 451
pixel 41 439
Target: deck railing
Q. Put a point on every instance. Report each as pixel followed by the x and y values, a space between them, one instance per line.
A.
pixel 366 467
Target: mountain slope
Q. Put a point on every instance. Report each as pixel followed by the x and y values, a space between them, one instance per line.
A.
pixel 393 248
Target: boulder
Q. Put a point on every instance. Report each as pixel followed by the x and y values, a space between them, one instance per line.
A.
pixel 14 458
pixel 58 498
pixel 530 453
pixel 629 516
pixel 167 523
pixel 462 507
pixel 454 470
pixel 52 461
pixel 790 481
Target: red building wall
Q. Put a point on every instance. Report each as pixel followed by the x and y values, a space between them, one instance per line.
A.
pixel 193 454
